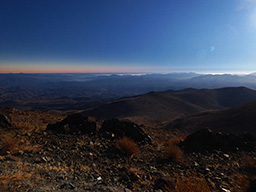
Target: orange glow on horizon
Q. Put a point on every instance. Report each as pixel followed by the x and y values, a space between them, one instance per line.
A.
pixel 70 69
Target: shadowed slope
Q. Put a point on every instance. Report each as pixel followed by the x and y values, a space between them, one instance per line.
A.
pixel 236 120
pixel 157 107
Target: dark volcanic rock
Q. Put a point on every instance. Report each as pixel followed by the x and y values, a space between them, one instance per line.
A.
pixel 124 129
pixel 73 124
pixel 4 121
pixel 205 140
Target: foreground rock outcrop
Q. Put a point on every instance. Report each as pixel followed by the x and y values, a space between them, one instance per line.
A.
pixel 79 124
pixel 124 129
pixel 73 124
pixel 205 140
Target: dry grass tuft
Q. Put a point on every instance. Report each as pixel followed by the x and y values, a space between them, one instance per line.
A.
pixel 10 144
pixel 127 146
pixel 241 182
pixel 172 150
pixel 14 177
pixel 191 184
pixel 248 162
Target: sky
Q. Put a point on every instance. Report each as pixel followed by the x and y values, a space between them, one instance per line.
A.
pixel 163 36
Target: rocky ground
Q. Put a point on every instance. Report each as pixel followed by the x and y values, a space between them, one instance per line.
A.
pixel 33 159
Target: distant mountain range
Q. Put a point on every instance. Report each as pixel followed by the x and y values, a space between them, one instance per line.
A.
pixel 65 92
pixel 162 107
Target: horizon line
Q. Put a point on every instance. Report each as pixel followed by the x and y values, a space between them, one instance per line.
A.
pixel 137 73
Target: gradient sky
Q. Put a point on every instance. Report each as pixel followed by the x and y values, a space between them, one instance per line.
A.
pixel 128 36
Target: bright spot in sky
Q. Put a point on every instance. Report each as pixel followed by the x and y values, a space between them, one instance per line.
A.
pixel 212 48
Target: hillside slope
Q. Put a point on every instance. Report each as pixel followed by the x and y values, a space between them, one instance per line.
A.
pixel 159 107
pixel 236 120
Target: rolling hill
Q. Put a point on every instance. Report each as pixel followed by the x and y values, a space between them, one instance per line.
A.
pixel 236 120
pixel 162 107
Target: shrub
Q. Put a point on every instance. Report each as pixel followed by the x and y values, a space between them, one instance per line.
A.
pixel 248 162
pixel 127 146
pixel 172 149
pixel 191 184
pixel 241 182
pixel 8 143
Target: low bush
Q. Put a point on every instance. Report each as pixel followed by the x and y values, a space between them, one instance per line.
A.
pixel 248 162
pixel 11 144
pixel 8 144
pixel 127 146
pixel 173 150
pixel 241 182
pixel 191 184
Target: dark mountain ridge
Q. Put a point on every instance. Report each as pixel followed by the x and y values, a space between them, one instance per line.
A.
pixel 236 120
pixel 43 91
pixel 165 106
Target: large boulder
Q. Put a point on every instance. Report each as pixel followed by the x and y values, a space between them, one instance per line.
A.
pixel 205 140
pixel 124 129
pixel 73 124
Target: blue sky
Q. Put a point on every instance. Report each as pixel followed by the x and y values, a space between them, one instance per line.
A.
pixel 213 36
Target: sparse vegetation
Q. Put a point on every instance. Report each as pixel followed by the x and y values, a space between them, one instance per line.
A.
pixel 241 182
pixel 8 144
pixel 248 162
pixel 66 160
pixel 14 177
pixel 11 144
pixel 191 184
pixel 172 149
pixel 127 146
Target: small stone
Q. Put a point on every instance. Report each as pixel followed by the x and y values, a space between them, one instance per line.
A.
pixel 127 190
pixel 37 160
pixel 67 185
pixel 226 155
pixel 99 178
pixel 211 183
pixel 20 152
pixel 44 159
pixel 225 190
